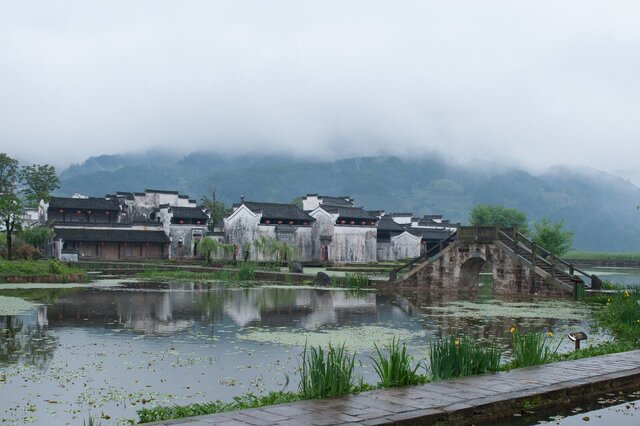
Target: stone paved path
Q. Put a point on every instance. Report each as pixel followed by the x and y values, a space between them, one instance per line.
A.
pixel 460 401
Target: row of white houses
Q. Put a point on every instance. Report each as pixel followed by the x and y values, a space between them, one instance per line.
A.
pixel 158 224
pixel 332 229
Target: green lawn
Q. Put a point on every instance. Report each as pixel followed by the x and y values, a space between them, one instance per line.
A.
pixel 595 255
pixel 36 267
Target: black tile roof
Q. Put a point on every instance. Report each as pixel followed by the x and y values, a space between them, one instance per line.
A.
pixel 386 224
pixel 336 201
pixel 278 211
pixel 356 213
pixel 188 213
pixel 431 234
pixel 84 203
pixel 111 235
pixel 160 191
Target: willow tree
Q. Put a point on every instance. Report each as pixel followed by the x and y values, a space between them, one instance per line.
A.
pixel 213 249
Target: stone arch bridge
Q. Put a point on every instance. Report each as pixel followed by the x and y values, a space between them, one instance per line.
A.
pixel 517 264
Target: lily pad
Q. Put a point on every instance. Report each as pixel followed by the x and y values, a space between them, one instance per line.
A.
pixel 14 306
pixel 549 309
pixel 356 339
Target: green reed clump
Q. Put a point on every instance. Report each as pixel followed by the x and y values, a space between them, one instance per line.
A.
pixel 91 421
pixel 357 280
pixel 621 315
pixel 326 375
pixel 532 348
pixel 394 367
pixel 457 357
pixel 246 271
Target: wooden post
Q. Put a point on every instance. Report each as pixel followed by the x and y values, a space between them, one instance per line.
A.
pixel 533 254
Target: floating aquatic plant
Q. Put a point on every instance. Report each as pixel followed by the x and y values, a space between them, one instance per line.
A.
pixel 360 338
pixel 14 306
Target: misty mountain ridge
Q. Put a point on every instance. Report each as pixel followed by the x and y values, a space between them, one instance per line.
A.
pixel 599 207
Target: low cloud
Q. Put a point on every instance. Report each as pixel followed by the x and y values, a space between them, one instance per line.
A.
pixel 536 82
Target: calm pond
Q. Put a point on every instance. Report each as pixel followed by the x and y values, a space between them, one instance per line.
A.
pixel 107 351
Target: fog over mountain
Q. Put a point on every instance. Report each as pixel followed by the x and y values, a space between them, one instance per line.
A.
pixel 526 83
pixel 599 207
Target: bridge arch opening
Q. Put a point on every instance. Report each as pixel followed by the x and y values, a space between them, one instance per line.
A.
pixel 476 272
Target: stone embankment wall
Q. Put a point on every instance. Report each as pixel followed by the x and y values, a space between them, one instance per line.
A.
pixel 71 278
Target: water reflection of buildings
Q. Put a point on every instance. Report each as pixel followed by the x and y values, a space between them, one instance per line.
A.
pixel 178 307
pixel 311 307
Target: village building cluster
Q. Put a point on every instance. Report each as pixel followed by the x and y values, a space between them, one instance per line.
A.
pixel 157 224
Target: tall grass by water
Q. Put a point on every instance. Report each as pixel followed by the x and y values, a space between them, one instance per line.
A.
pixel 621 315
pixel 327 373
pixel 356 280
pixel 457 357
pixel 247 271
pixel 394 368
pixel 533 348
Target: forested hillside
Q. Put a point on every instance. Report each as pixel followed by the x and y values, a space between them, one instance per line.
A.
pixel 600 208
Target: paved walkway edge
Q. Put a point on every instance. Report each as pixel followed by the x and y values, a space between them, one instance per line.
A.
pixel 468 400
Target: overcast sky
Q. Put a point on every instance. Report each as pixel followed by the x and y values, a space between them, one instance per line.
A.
pixel 537 82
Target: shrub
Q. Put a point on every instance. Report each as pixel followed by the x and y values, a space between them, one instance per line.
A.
pixel 37 236
pixel 27 252
pixel 395 368
pixel 326 376
pixel 55 267
pixel 532 348
pixel 457 357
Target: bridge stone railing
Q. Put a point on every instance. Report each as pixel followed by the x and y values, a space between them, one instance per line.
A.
pixel 480 234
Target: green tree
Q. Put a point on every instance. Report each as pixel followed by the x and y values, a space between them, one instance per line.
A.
pixel 216 211
pixel 37 236
pixel 8 174
pixel 11 211
pixel 486 215
pixel 552 238
pixel 10 204
pixel 40 181
pixel 297 201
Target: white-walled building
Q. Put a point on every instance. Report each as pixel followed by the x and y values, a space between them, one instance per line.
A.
pixel 153 224
pixel 286 223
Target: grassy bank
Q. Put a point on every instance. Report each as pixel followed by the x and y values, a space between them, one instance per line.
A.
pixel 155 274
pixel 245 271
pixel 37 268
pixel 602 256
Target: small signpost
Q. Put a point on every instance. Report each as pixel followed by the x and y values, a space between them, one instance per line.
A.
pixel 577 337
